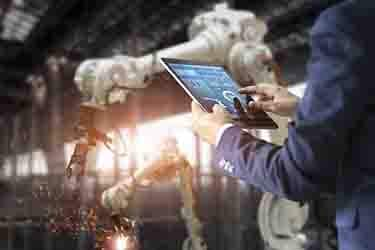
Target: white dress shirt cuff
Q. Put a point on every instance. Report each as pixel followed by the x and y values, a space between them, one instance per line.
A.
pixel 221 132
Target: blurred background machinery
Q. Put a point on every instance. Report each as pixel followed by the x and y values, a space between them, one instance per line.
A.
pixel 41 45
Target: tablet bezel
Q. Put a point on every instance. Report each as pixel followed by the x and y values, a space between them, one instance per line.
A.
pixel 165 61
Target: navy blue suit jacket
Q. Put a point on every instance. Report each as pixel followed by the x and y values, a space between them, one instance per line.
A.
pixel 331 143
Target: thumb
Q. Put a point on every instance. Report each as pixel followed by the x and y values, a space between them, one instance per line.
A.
pixel 218 109
pixel 248 90
pixel 269 106
pixel 195 108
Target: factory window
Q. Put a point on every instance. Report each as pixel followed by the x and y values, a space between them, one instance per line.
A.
pixel 147 138
pixel 24 165
pixel 39 163
pixel 7 168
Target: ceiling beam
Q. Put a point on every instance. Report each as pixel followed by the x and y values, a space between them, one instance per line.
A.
pixel 38 42
pixel 77 23
pixel 46 24
pixel 134 26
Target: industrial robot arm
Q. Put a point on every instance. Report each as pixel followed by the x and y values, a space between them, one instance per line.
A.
pixel 233 38
pixel 230 37
pixel 168 164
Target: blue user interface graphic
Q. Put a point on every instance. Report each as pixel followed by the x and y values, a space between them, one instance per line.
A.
pixel 209 84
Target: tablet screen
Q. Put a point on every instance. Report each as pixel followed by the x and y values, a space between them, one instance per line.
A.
pixel 210 84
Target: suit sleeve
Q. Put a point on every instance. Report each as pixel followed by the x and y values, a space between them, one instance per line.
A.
pixel 317 141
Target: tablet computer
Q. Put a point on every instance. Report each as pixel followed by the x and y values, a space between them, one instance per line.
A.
pixel 210 84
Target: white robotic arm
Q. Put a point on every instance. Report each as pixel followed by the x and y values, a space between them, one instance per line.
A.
pixel 224 36
pixel 168 164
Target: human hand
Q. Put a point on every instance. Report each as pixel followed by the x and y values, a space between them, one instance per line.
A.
pixel 207 125
pixel 271 98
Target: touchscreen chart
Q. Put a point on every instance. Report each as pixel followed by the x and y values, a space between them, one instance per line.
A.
pixel 211 83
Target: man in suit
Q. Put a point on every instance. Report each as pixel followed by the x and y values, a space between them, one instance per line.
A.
pixel 332 137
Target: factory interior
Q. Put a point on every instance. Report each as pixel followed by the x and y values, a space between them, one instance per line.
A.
pixel 45 129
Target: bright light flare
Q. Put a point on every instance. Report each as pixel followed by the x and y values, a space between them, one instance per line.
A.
pixel 121 242
pixel 148 136
pixel 105 160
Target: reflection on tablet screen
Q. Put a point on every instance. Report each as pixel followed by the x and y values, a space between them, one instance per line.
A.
pixel 211 84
